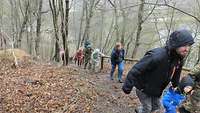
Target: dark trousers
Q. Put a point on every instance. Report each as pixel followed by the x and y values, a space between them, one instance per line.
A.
pixel 149 103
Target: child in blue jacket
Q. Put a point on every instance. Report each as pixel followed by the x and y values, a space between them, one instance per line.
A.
pixel 173 98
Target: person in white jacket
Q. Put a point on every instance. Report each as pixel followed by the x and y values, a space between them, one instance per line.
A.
pixel 96 54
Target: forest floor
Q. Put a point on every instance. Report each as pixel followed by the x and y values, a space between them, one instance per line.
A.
pixel 34 87
pixel 110 97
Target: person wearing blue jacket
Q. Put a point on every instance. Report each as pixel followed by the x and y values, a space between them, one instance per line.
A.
pixel 173 98
pixel 117 59
pixel 159 66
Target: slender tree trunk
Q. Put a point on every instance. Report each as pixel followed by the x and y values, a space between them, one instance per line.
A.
pixel 89 14
pixel 123 28
pixel 38 28
pixel 124 15
pixel 55 13
pixel 157 30
pixel 102 30
pixel 131 40
pixel 30 30
pixel 64 28
pixel 65 42
pixel 12 19
pixel 17 21
pixel 108 35
pixel 139 28
pixel 1 26
pixel 171 23
pixel 28 39
pixel 23 25
pixel 116 23
pixel 81 25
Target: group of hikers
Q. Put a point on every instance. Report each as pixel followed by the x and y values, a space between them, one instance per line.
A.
pixel 157 76
pixel 88 56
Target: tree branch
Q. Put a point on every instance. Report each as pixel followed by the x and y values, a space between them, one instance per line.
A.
pixel 111 3
pixel 150 12
pixel 43 12
pixel 167 5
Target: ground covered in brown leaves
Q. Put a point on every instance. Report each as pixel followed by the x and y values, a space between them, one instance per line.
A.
pixel 35 87
pixel 43 88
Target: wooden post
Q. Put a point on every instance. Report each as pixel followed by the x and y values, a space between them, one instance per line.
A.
pixel 102 62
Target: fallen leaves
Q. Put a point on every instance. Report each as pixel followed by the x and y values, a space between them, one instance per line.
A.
pixel 43 88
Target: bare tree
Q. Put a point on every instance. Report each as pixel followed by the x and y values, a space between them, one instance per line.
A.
pixel 15 20
pixel 157 30
pixel 139 28
pixel 25 20
pixel 116 22
pixel 141 20
pixel 55 13
pixel 64 13
pixel 81 24
pixel 109 35
pixel 29 26
pixel 12 19
pixel 89 13
pixel 38 28
pixel 102 25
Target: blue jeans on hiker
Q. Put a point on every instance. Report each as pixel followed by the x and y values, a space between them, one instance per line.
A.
pixel 120 70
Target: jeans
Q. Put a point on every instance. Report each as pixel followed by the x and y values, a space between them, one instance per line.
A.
pixel 149 103
pixel 120 70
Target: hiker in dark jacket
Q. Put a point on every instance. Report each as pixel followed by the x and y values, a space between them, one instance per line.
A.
pixel 117 59
pixel 87 51
pixel 156 69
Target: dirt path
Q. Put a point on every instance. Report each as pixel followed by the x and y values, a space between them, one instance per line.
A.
pixel 110 97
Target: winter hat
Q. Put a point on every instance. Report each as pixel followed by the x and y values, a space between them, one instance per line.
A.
pixel 180 38
pixel 185 81
pixel 88 46
pixel 87 42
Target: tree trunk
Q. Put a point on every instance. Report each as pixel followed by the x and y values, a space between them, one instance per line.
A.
pixel 131 39
pixel 124 15
pixel 81 25
pixel 139 28
pixel 64 28
pixel 55 13
pixel 102 30
pixel 171 23
pixel 17 21
pixel 116 23
pixel 12 19
pixel 38 28
pixel 23 25
pixel 65 42
pixel 29 29
pixel 89 14
pixel 108 35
